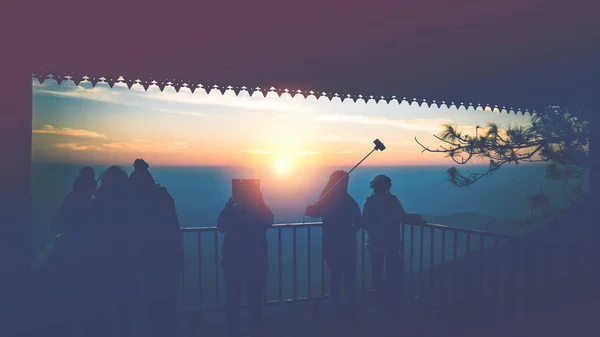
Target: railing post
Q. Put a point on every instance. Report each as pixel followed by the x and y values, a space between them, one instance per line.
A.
pixel 481 286
pixel 217 270
pixel 443 269
pixel 496 290
pixel 528 265
pixel 279 261
pixel 511 309
pixel 549 259
pixel 467 286
pixel 549 276
pixel 412 250
pixel 182 277
pixel 200 268
pixel 362 265
pixel 403 273
pixel 454 263
pixel 265 295
pixel 295 263
pixel 309 263
pixel 322 270
pixel 421 244
pixel 431 263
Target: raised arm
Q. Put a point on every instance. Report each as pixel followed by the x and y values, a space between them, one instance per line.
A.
pixel 317 210
pixel 258 214
pixel 399 212
pixel 404 217
pixel 263 215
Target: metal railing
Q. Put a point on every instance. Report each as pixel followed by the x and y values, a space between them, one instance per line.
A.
pixel 476 271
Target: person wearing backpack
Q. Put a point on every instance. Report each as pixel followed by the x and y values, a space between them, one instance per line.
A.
pixel 341 221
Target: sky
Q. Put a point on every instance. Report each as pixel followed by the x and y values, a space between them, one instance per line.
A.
pixel 102 125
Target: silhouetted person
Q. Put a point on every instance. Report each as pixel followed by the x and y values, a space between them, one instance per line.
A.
pixel 111 246
pixel 341 221
pixel 245 220
pixel 161 248
pixel 66 286
pixel 382 215
pixel 75 207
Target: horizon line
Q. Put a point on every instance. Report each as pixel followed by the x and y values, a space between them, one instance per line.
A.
pixel 247 166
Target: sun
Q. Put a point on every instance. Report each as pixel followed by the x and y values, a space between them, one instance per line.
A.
pixel 282 166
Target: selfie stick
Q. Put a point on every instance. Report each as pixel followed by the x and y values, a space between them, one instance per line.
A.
pixel 378 146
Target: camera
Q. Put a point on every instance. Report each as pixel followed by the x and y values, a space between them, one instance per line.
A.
pixel 244 190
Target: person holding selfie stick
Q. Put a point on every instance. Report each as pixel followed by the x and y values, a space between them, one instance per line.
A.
pixel 245 220
pixel 341 221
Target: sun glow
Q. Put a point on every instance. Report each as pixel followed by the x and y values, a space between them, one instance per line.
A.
pixel 282 165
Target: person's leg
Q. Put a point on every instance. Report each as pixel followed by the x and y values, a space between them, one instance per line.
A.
pixel 393 272
pixel 377 259
pixel 254 293
pixel 234 287
pixel 126 294
pixel 101 306
pixel 350 284
pixel 336 280
pixel 122 321
pixel 98 324
pixel 162 312
pixel 335 285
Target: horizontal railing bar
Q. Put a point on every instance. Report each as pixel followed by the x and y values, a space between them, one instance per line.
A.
pixel 430 225
pixel 285 225
pixel 318 223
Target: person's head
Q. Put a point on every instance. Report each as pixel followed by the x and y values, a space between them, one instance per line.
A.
pixel 141 178
pixel 87 172
pixel 381 184
pixel 85 184
pixel 140 165
pixel 113 179
pixel 341 187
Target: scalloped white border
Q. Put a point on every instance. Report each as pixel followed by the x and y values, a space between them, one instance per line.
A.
pixel 178 84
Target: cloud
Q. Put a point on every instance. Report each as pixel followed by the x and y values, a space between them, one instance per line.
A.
pixel 51 130
pixel 229 100
pixel 301 153
pixel 178 112
pixel 70 90
pixel 144 146
pixel 433 124
pixel 137 146
pixel 257 151
pixel 330 138
pixel 347 152
pixel 74 146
